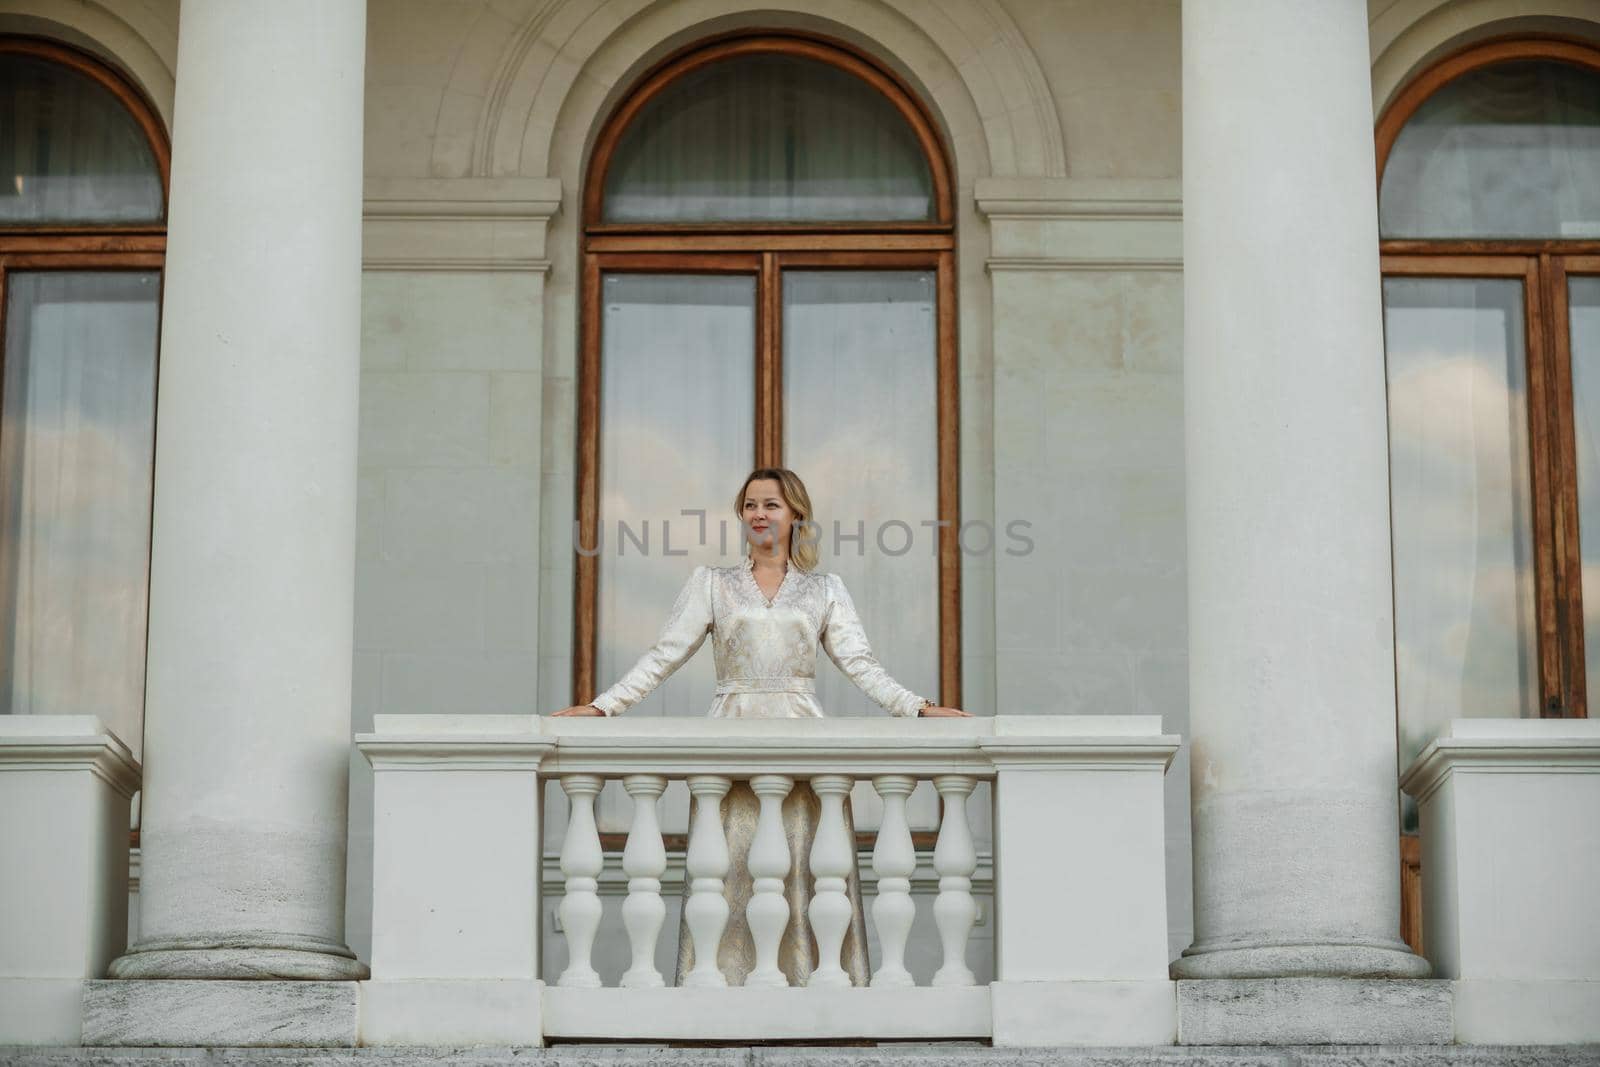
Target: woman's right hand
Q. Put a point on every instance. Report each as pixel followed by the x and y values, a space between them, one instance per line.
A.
pixel 579 709
pixel 936 711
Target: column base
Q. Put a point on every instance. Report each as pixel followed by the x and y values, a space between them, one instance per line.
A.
pixel 1310 960
pixel 211 960
pixel 1314 1011
pixel 205 1014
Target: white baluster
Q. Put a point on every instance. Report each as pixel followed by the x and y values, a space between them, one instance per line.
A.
pixel 581 862
pixel 644 860
pixel 894 861
pixel 768 911
pixel 832 855
pixel 707 864
pixel 955 860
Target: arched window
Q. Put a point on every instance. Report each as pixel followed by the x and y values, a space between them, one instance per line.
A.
pixel 82 238
pixel 768 279
pixel 1489 209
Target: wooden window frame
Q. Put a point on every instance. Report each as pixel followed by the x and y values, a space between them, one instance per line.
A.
pixel 764 250
pixel 89 236
pixel 1542 265
pixel 83 246
pixel 1474 57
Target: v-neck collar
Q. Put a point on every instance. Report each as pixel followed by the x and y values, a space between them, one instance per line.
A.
pixel 750 573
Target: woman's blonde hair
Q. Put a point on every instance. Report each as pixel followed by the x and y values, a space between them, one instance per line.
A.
pixel 803 537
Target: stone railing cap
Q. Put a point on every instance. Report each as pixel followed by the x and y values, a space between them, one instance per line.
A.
pixel 72 742
pixel 1505 744
pixel 18 726
pixel 700 745
pixel 443 726
pixel 998 726
pixel 1521 730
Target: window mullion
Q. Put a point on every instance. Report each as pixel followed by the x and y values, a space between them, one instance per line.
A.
pixel 769 364
pixel 1564 483
pixel 949 486
pixel 586 576
pixel 1549 541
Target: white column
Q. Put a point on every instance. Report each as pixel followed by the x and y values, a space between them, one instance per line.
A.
pixel 1290 623
pixel 247 729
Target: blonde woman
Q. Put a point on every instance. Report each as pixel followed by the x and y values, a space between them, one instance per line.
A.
pixel 766 616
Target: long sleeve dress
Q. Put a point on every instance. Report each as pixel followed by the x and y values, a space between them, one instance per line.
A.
pixel 766 657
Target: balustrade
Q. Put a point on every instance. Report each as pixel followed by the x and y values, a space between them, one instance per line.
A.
pixel 1071 795
pixel 832 857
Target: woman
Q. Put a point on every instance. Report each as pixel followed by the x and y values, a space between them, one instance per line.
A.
pixel 766 616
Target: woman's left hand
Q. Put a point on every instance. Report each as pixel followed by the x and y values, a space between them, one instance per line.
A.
pixel 934 711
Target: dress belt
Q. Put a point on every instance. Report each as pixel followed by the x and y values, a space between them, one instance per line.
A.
pixel 794 684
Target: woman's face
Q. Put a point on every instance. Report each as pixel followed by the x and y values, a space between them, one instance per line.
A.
pixel 767 517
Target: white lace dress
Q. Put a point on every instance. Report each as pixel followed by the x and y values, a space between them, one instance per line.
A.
pixel 765 651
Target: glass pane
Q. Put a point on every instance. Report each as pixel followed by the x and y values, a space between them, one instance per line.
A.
pixel 69 150
pixel 1462 513
pixel 77 442
pixel 1583 302
pixel 1511 150
pixel 860 400
pixel 677 403
pixel 768 137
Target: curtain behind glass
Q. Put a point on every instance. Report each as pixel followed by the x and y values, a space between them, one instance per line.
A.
pixel 677 388
pixel 1511 150
pixel 860 352
pixel 1583 304
pixel 768 137
pixel 1465 628
pixel 860 407
pixel 77 439
pixel 69 150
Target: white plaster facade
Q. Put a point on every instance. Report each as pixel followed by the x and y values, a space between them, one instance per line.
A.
pixel 1063 123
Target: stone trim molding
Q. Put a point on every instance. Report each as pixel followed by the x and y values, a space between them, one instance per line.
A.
pixel 133 37
pixel 1080 198
pixel 1409 34
pixel 1079 224
pixel 889 1055
pixel 1504 746
pixel 1001 264
pixel 458 224
pixel 68 743
pixel 799 747
pixel 538 64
